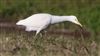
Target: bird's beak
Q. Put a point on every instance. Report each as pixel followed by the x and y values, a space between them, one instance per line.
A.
pixel 79 23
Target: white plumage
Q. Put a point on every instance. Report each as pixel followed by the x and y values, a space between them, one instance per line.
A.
pixel 38 22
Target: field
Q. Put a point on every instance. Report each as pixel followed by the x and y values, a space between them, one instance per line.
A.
pixel 63 39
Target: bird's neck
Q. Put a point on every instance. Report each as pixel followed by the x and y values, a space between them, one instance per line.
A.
pixel 57 19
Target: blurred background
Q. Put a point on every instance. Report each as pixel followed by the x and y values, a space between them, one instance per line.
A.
pixel 20 43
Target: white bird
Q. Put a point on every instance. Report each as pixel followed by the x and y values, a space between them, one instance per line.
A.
pixel 38 22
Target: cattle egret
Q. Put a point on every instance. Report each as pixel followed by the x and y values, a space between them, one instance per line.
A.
pixel 38 22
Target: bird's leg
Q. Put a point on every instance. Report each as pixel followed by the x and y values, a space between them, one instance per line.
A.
pixel 37 33
pixel 41 35
pixel 35 37
pixel 45 33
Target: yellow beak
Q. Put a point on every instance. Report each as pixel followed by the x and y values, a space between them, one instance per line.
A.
pixel 79 23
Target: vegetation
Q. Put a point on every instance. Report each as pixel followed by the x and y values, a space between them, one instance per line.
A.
pixel 87 12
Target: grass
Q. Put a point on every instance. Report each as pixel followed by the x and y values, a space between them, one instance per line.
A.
pixel 86 11
pixel 21 43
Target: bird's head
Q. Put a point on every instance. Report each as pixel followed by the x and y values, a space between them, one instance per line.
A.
pixel 74 19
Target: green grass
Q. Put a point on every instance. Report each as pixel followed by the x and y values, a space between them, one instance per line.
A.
pixel 20 43
pixel 87 11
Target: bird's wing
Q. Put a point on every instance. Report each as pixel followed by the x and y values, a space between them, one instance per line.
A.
pixel 37 22
pixel 44 25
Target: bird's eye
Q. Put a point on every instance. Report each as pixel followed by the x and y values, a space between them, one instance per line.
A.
pixel 76 20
